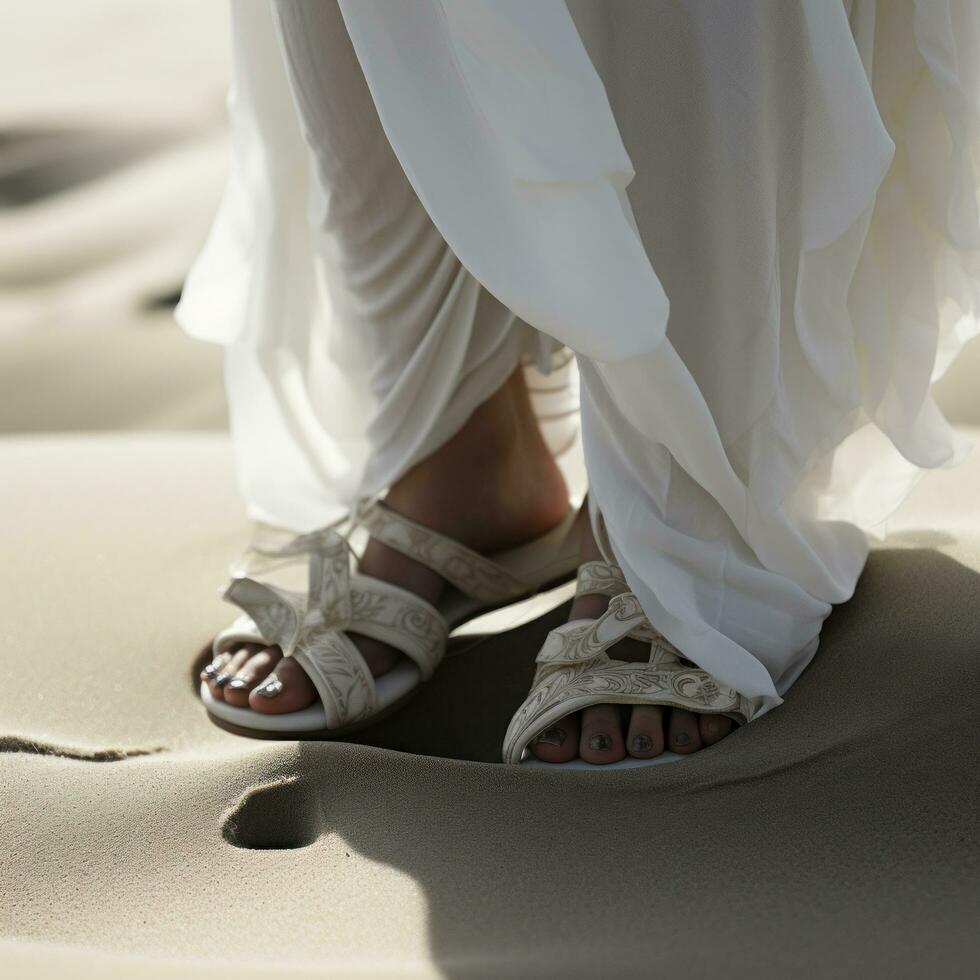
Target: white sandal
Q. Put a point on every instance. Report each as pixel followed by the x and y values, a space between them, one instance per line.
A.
pixel 575 672
pixel 312 627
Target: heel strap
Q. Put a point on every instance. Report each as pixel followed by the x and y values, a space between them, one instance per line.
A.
pixel 471 573
pixel 600 578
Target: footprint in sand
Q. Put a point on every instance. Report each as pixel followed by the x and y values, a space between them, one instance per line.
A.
pixel 280 815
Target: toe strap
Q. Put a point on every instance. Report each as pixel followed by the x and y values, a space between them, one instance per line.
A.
pixel 575 672
pixel 335 665
pixel 313 629
pixel 341 677
pixel 313 626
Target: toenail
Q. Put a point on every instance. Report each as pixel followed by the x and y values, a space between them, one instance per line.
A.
pixel 214 668
pixel 222 679
pixel 642 743
pixel 552 736
pixel 600 743
pixel 270 687
pixel 237 683
pixel 682 738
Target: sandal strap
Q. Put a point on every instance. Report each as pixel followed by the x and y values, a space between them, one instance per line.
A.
pixel 399 618
pixel 471 573
pixel 282 616
pixel 600 578
pixel 378 609
pixel 313 626
pixel 582 641
pixel 340 675
pixel 564 690
pixel 575 672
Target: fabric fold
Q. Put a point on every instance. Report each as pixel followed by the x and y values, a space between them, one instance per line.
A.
pixel 528 192
pixel 799 179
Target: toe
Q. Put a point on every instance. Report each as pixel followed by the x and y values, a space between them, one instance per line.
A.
pixel 250 674
pixel 683 733
pixel 559 742
pixel 216 666
pixel 287 688
pixel 714 728
pixel 601 741
pixel 227 669
pixel 645 737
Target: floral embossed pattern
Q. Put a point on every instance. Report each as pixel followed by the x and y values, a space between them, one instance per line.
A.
pixel 600 578
pixel 312 627
pixel 574 670
pixel 468 571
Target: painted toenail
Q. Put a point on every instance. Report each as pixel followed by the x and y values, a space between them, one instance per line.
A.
pixel 214 668
pixel 642 743
pixel 682 738
pixel 552 736
pixel 270 687
pixel 237 683
pixel 222 679
pixel 600 743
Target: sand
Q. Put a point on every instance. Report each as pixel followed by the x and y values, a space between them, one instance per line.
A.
pixel 837 836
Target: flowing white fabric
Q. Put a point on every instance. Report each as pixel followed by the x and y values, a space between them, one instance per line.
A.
pixel 805 195
pixel 356 340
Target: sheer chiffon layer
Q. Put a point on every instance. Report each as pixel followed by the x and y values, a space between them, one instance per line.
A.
pixel 805 194
pixel 357 342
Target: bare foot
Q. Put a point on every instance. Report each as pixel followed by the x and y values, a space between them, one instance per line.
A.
pixel 493 485
pixel 610 732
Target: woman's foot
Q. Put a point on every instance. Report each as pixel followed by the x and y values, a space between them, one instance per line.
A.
pixel 493 485
pixel 608 733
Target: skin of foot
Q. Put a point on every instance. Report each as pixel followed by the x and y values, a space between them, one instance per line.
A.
pixel 610 732
pixel 492 486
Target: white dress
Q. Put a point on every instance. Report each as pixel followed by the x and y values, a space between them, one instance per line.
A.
pixel 427 193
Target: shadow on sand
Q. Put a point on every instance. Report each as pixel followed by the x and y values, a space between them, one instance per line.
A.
pixel 840 830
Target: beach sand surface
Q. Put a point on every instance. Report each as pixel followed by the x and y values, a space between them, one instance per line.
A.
pixel 838 835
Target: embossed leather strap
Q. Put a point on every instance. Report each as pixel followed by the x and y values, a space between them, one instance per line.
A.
pixel 575 672
pixel 600 578
pixel 312 627
pixel 470 572
pixel 340 675
pixel 399 618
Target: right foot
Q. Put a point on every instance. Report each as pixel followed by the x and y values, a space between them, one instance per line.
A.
pixel 606 733
pixel 492 486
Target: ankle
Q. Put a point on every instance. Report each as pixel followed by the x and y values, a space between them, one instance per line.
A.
pixel 492 485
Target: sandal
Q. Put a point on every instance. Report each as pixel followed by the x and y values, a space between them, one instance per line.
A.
pixel 312 627
pixel 575 672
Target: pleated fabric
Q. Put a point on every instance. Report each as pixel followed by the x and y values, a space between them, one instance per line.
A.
pixel 356 340
pixel 757 319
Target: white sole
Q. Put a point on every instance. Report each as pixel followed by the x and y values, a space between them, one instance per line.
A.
pixel 391 687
